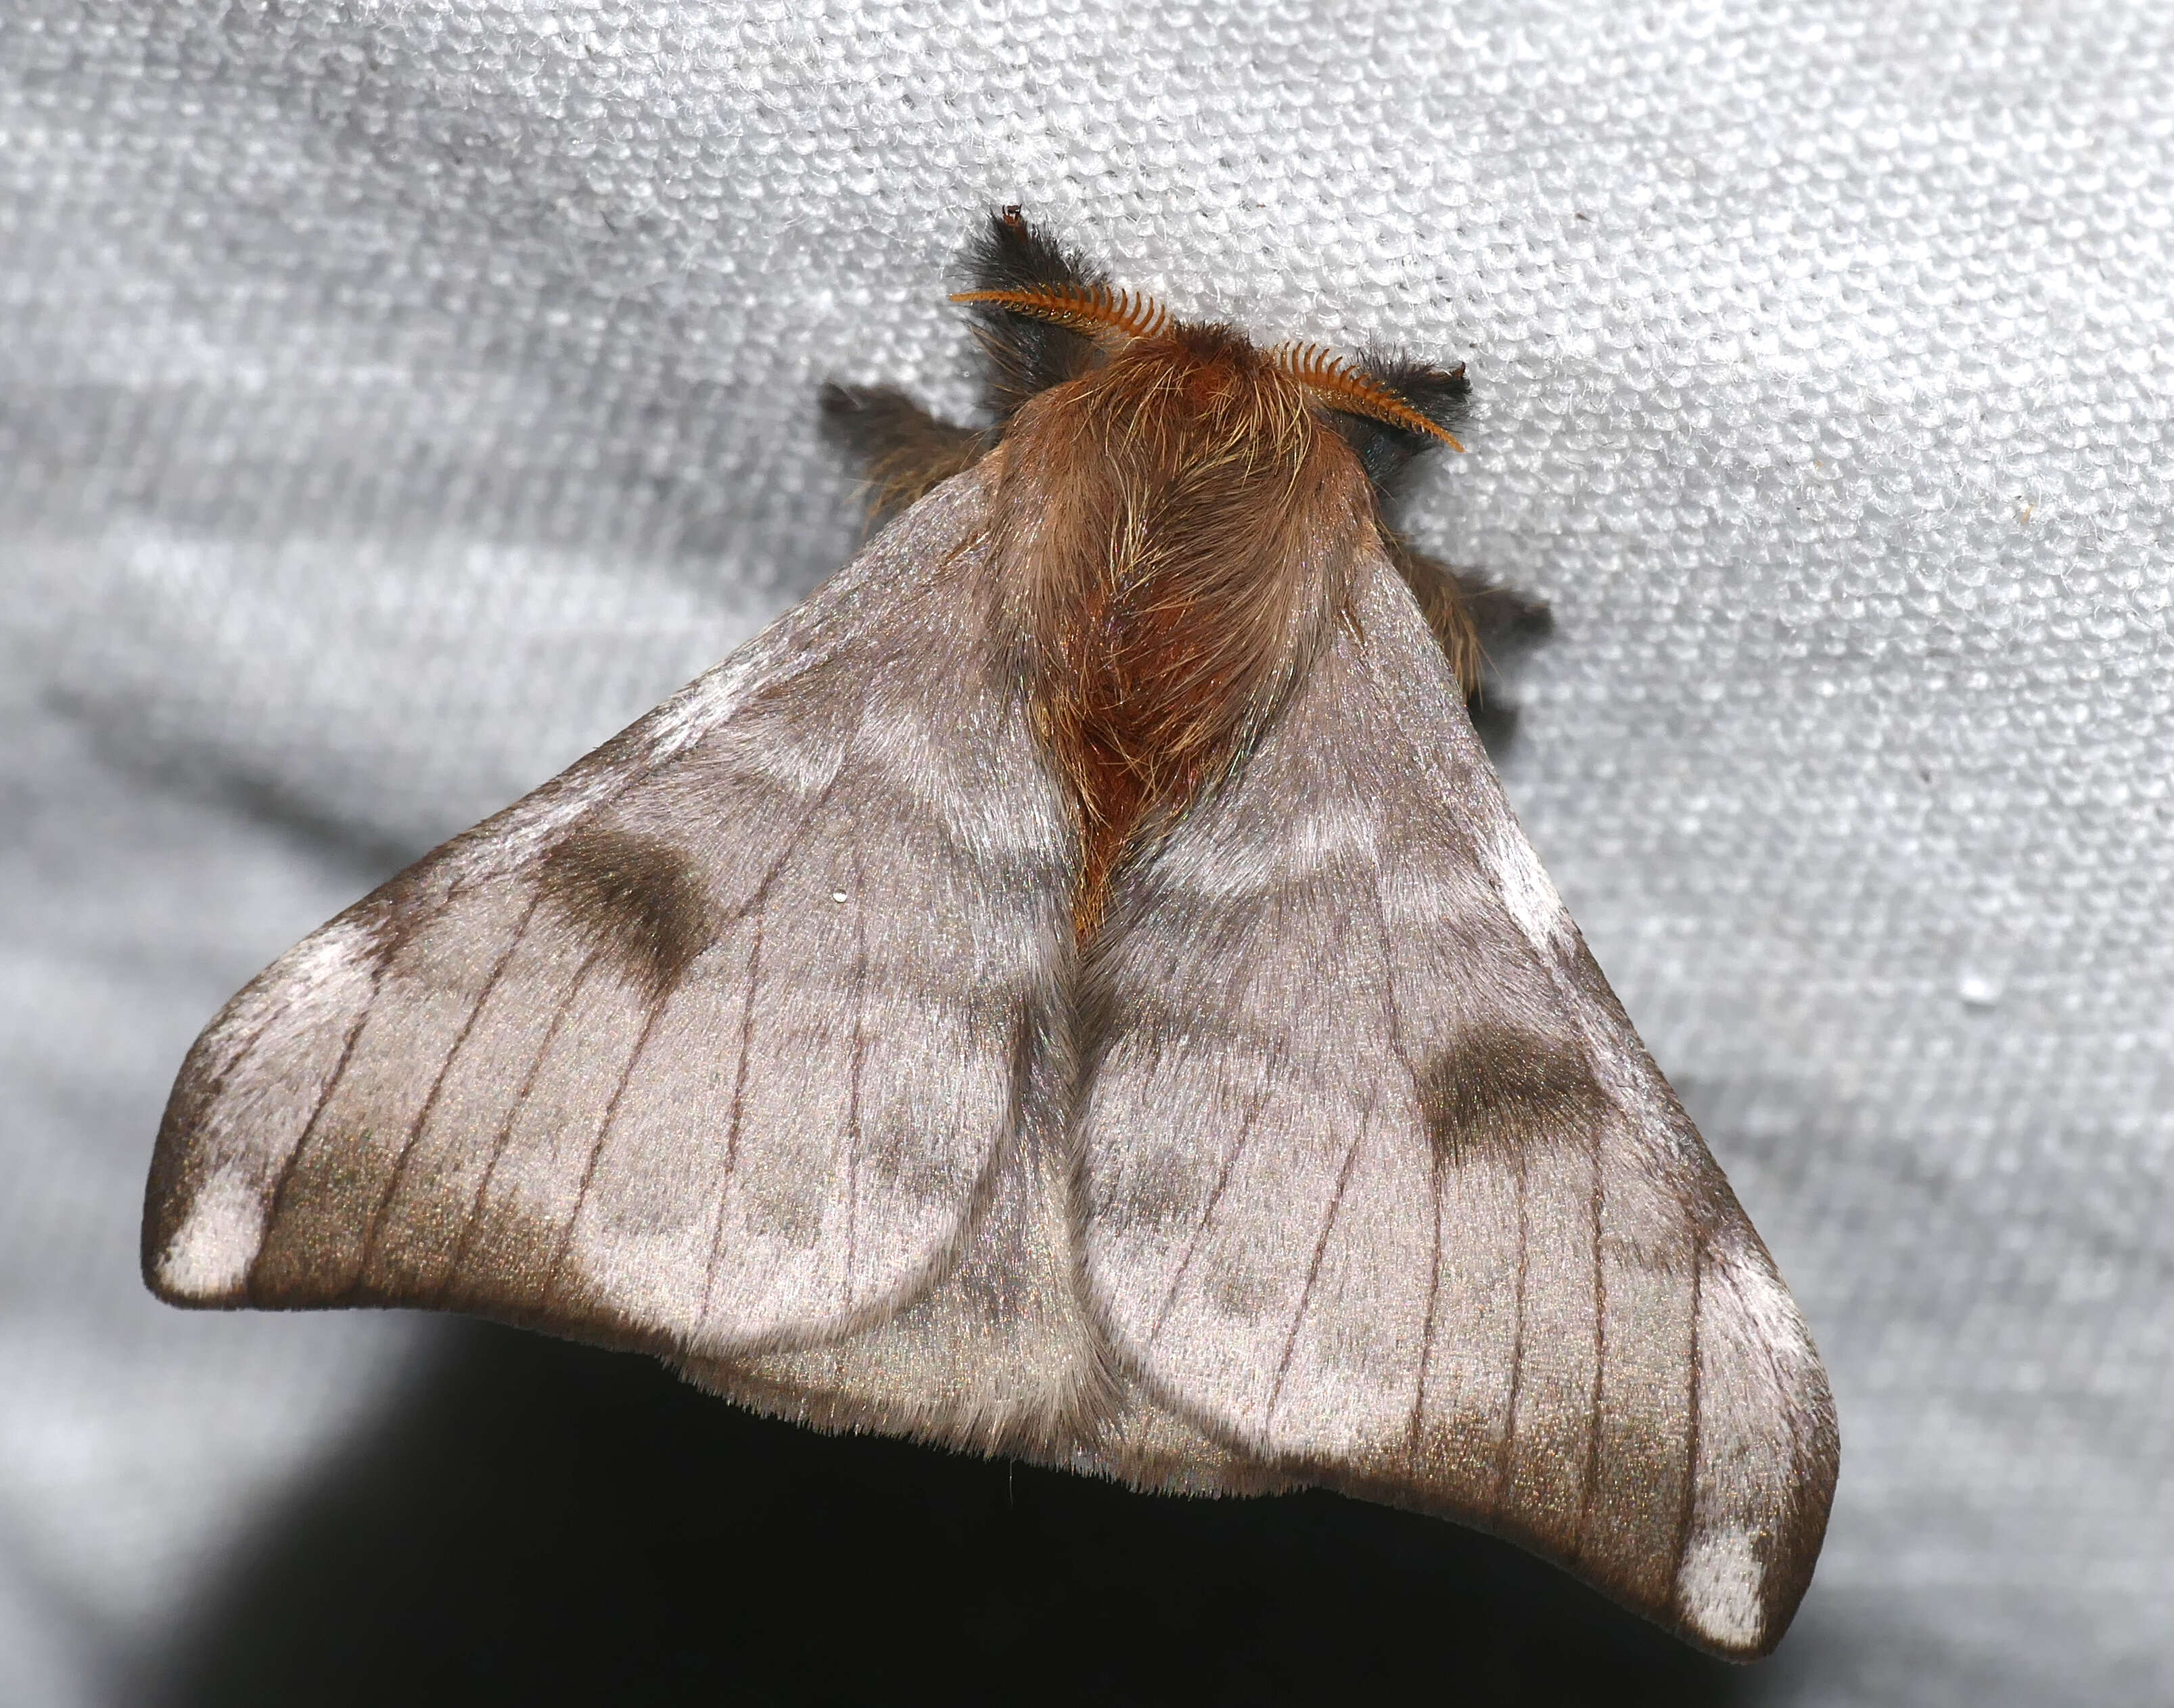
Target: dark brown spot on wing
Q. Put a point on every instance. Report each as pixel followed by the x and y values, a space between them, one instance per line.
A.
pixel 1497 1091
pixel 635 898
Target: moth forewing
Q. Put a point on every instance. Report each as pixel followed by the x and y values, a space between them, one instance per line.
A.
pixel 724 1061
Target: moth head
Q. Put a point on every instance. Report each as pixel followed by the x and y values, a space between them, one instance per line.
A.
pixel 1046 317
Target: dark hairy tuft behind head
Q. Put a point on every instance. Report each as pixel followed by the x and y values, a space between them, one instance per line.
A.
pixel 1025 356
pixel 1387 451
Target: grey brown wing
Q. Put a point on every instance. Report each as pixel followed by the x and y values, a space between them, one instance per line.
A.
pixel 711 1044
pixel 1382 1188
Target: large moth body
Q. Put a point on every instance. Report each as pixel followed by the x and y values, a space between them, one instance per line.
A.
pixel 1073 988
pixel 1177 535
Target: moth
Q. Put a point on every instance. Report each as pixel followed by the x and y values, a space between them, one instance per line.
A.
pixel 1073 989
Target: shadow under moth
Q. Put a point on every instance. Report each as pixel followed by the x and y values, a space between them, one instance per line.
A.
pixel 1072 989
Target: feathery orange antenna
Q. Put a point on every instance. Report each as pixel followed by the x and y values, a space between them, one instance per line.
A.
pixel 1343 386
pixel 1084 308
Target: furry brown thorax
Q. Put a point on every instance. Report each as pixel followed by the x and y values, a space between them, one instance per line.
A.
pixel 1177 531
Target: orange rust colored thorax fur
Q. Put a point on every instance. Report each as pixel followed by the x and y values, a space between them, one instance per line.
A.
pixel 1176 533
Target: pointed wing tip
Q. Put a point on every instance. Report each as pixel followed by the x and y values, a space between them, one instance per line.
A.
pixel 198 1247
pixel 1722 1599
pixel 1734 1606
pixel 183 1293
pixel 197 1276
pixel 1738 1589
pixel 203 1220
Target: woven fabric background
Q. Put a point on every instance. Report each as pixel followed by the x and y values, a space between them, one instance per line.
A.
pixel 397 399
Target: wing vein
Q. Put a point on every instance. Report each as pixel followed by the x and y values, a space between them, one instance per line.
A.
pixel 1426 1323
pixel 308 1131
pixel 752 912
pixel 1589 1478
pixel 1689 1512
pixel 504 1136
pixel 1208 1214
pixel 551 1287
pixel 860 1062
pixel 1313 1269
pixel 384 954
pixel 374 1241
pixel 1394 1016
pixel 739 1096
pixel 1503 1466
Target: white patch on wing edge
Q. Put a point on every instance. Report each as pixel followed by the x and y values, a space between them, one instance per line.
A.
pixel 1720 1585
pixel 209 1256
pixel 1525 889
pixel 1764 1304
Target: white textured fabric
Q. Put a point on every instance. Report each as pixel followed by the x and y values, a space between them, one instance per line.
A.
pixel 398 398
